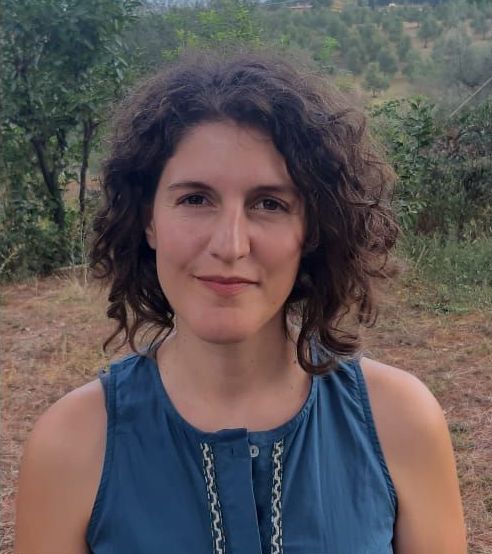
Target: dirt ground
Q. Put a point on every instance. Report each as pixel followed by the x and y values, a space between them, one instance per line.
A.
pixel 51 331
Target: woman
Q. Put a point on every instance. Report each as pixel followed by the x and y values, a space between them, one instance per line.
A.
pixel 246 222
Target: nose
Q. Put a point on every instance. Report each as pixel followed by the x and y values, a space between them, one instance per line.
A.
pixel 230 240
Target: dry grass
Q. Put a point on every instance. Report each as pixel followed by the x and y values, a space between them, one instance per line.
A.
pixel 452 354
pixel 51 335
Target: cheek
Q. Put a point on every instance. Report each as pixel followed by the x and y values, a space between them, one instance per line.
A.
pixel 283 255
pixel 174 247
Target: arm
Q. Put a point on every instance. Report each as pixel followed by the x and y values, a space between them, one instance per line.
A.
pixel 60 474
pixel 418 451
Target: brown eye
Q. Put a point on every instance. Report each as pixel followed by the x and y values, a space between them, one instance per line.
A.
pixel 193 200
pixel 271 205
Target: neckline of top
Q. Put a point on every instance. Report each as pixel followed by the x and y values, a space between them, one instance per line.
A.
pixel 266 437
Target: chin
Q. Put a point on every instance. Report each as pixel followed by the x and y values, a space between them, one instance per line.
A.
pixel 224 334
pixel 221 328
pixel 224 340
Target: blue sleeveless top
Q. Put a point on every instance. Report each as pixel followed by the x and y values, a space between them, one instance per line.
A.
pixel 316 485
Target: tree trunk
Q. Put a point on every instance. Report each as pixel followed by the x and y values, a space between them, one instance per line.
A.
pixel 50 178
pixel 89 130
pixel 83 171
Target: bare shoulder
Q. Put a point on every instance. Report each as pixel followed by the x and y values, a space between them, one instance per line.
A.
pixel 417 448
pixel 402 405
pixel 60 473
pixel 74 427
pixel 408 418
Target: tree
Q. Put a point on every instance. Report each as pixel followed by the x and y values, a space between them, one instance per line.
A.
pixel 459 62
pixel 347 15
pixel 454 13
pixel 55 53
pixel 62 66
pixel 387 61
pixel 102 84
pixel 474 67
pixel 414 66
pixel 480 25
pixel 355 60
pixel 408 129
pixel 403 47
pixel 393 26
pixel 443 165
pixel 375 80
pixel 330 44
pixel 352 40
pixel 336 28
pixel 322 3
pixel 411 13
pixel 222 22
pixel 429 30
pixel 358 15
pixel 372 40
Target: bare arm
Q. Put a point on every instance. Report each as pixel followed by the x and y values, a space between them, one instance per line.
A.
pixel 417 447
pixel 60 474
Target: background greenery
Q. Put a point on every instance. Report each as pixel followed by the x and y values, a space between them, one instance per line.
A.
pixel 423 71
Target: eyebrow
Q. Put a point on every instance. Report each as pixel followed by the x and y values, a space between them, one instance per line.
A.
pixel 263 188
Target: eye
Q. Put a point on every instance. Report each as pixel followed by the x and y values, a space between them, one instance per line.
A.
pixel 193 200
pixel 272 205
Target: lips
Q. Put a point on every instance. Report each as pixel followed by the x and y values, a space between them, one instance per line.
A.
pixel 225 280
pixel 226 286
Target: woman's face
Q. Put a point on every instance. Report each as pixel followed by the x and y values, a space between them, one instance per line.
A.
pixel 225 207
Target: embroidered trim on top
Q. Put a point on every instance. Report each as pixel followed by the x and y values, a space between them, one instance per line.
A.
pixel 216 525
pixel 276 540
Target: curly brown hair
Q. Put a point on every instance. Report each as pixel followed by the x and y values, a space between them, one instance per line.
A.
pixel 345 183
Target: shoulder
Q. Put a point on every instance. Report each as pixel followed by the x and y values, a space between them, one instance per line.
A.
pixel 399 398
pixel 385 378
pixel 73 425
pixel 407 416
pixel 417 448
pixel 60 473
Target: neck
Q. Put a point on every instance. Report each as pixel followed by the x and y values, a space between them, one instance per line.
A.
pixel 214 386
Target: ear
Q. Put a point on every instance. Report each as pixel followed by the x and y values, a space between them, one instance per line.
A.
pixel 150 234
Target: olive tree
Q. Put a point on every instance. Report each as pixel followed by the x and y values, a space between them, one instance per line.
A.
pixel 62 64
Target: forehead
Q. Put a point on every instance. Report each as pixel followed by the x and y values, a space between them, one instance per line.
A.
pixel 225 153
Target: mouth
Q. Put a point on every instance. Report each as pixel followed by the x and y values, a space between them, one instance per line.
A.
pixel 226 280
pixel 226 286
